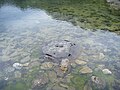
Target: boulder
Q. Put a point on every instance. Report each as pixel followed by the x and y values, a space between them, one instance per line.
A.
pixel 61 49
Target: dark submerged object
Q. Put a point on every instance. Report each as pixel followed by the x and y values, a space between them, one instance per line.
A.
pixel 61 49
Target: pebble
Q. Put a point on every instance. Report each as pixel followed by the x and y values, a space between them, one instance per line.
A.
pixel 17 65
pixel 106 71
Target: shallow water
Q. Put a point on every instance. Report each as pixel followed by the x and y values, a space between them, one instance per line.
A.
pixel 23 32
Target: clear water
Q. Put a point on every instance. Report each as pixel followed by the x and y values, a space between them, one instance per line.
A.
pixel 23 32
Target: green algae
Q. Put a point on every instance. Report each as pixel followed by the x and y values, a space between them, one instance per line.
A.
pixel 78 81
pixel 16 86
pixel 108 78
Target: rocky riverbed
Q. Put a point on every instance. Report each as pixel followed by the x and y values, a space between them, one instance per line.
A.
pixel 28 62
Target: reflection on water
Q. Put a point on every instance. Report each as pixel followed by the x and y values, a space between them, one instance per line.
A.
pixel 22 67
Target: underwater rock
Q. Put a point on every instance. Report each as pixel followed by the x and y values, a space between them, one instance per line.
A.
pixel 101 66
pixel 34 64
pixel 86 70
pixel 101 56
pixel 98 82
pixel 80 62
pixel 17 74
pixel 87 87
pixel 64 64
pixel 25 64
pixel 52 76
pixel 61 49
pixel 17 65
pixel 64 85
pixel 59 72
pixel 39 82
pixel 106 71
pixel 57 87
pixel 47 65
pixel 73 65
pixel 9 69
pixel 25 59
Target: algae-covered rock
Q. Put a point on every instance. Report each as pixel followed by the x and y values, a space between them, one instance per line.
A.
pixel 17 74
pixel 78 81
pixel 98 82
pixel 40 81
pixel 16 86
pixel 57 87
pixel 52 76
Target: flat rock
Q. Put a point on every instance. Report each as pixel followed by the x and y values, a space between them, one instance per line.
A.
pixel 47 65
pixel 52 76
pixel 80 62
pixel 86 70
pixel 34 64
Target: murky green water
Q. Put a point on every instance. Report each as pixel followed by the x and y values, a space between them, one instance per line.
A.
pixel 27 25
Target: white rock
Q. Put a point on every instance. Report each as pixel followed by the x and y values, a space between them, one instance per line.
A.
pixel 106 71
pixel 17 65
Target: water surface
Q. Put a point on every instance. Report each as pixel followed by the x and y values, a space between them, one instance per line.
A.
pixel 23 32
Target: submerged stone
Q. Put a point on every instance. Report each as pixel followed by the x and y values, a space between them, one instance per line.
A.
pixel 98 82
pixel 9 69
pixel 47 65
pixel 17 65
pixel 86 70
pixel 17 74
pixel 39 82
pixel 64 64
pixel 61 49
pixel 52 76
pixel 106 71
pixel 80 62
